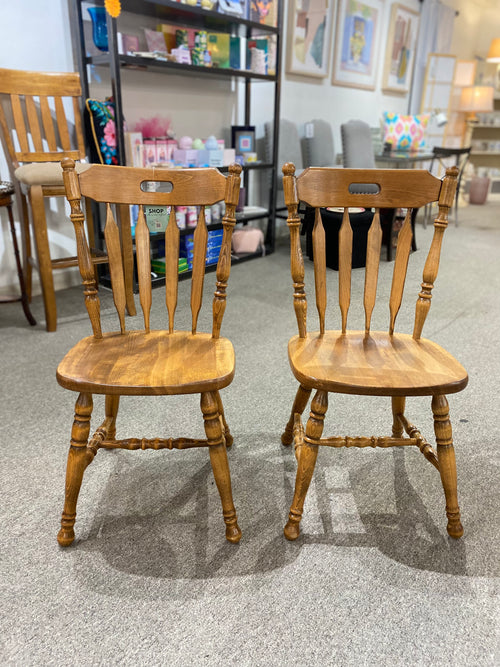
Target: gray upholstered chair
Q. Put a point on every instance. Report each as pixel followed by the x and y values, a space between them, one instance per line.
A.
pixel 289 150
pixel 357 147
pixel 319 148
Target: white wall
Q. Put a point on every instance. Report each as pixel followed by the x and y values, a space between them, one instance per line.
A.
pixel 36 36
pixel 304 98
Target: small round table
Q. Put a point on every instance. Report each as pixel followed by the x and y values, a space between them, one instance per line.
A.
pixel 6 192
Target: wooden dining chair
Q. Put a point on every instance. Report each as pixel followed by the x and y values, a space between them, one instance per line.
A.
pixel 441 159
pixel 37 133
pixel 149 362
pixel 366 362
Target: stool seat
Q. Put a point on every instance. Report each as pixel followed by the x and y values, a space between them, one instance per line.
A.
pixel 6 188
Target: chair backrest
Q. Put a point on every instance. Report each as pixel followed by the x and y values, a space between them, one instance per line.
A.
pixel 405 188
pixel 289 147
pixel 357 146
pixel 123 186
pixel 443 155
pixel 33 118
pixel 319 147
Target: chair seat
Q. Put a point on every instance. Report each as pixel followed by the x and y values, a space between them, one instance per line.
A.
pixel 374 364
pixel 45 173
pixel 139 363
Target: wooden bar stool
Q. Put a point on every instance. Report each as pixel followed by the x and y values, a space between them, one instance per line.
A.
pixel 6 192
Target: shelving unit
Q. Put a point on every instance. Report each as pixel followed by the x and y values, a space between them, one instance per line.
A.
pixel 167 11
pixel 487 158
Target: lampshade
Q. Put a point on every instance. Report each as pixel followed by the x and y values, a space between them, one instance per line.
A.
pixel 476 98
pixel 494 52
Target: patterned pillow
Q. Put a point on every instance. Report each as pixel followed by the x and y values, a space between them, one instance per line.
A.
pixel 405 132
pixel 101 118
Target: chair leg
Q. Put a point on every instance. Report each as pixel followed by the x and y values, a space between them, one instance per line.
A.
pixel 20 273
pixel 220 465
pixel 447 464
pixel 79 457
pixel 225 428
pixel 306 455
pixel 43 255
pixel 299 405
pixel 398 408
pixel 25 240
pixel 111 410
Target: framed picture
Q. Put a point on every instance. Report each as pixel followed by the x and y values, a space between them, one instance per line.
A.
pixel 243 139
pixel 400 53
pixel 309 37
pixel 357 43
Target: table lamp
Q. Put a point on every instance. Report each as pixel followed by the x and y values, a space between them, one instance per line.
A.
pixel 494 51
pixel 474 99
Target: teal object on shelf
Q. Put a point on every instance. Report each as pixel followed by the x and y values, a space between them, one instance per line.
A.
pixel 99 27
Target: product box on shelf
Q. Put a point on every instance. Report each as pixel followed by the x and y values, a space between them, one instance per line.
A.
pixel 214 242
pixel 218 44
pixel 186 158
pixel 158 265
pixel 264 11
pixel 238 8
pixel 134 149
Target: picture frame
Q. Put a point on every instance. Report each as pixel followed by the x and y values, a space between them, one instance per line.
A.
pixel 400 51
pixel 309 37
pixel 243 139
pixel 357 43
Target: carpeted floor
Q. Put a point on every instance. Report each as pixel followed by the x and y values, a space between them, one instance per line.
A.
pixel 150 580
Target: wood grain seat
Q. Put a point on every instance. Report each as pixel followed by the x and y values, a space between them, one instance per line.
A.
pixel 139 363
pixel 374 364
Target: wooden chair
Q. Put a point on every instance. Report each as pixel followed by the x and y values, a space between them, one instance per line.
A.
pixel 36 135
pixel 149 362
pixel 441 158
pixel 6 192
pixel 372 363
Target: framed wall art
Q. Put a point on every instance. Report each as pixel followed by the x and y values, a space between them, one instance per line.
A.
pixel 357 43
pixel 400 51
pixel 243 138
pixel 309 37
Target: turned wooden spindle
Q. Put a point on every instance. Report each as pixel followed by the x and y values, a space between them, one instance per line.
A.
pixel 172 244
pixel 296 259
pixel 224 263
pixel 79 457
pixel 432 263
pixel 298 407
pixel 306 460
pixel 113 246
pixel 200 238
pixel 319 254
pixel 447 464
pixel 220 465
pixel 400 269
pixel 398 408
pixel 373 246
pixel 345 266
pixel 85 265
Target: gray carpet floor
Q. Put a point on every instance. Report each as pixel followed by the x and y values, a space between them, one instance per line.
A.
pixel 150 580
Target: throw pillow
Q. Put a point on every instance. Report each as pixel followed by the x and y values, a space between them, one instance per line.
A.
pixel 405 132
pixel 101 119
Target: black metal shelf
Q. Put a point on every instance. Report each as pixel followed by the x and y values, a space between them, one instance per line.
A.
pixel 155 64
pixel 196 17
pixel 169 11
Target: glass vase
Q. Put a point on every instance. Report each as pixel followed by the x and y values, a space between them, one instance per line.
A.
pixel 99 27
